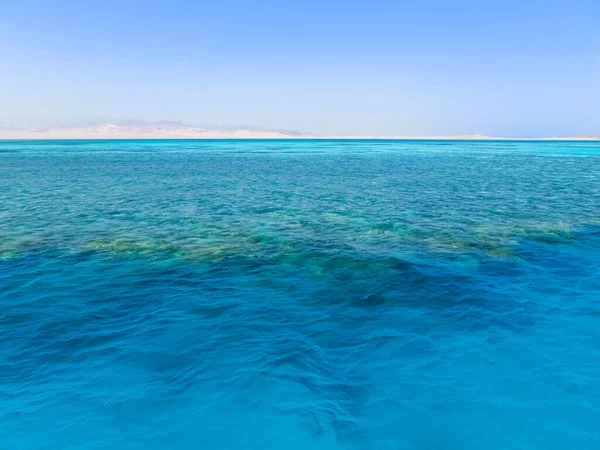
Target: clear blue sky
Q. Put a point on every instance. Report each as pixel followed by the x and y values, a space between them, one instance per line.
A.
pixel 509 68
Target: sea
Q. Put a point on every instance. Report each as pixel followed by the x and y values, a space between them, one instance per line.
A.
pixel 299 294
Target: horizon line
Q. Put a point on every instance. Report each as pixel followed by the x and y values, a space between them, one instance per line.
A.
pixel 309 138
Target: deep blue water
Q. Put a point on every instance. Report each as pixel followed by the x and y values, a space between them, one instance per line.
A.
pixel 299 295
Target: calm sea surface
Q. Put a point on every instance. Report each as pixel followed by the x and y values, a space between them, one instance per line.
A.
pixel 304 294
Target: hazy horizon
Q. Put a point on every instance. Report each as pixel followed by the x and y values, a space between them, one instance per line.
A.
pixel 429 68
pixel 101 128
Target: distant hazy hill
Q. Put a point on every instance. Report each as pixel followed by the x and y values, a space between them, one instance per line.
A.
pixel 177 130
pixel 140 130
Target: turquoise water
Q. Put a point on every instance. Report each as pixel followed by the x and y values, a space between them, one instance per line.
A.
pixel 299 295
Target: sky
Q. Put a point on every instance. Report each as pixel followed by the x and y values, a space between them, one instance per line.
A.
pixel 431 67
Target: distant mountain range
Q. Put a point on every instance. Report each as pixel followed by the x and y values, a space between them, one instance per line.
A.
pixel 140 130
pixel 177 130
